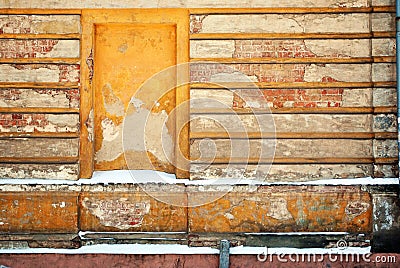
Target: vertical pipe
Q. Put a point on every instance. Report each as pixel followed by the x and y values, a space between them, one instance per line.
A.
pixel 398 75
pixel 224 254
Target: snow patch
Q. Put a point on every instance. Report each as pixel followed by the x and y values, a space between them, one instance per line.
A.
pixel 137 249
pixel 151 176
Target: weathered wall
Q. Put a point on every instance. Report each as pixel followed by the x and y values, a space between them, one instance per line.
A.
pixel 326 75
pixel 39 80
pixel 327 78
pixel 314 79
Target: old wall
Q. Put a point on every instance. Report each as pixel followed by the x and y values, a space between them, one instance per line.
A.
pixel 325 70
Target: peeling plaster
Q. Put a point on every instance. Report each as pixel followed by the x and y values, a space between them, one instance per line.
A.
pixel 356 208
pixel 232 77
pixel 278 209
pixel 338 72
pixel 63 49
pixel 111 146
pixel 119 213
pixel 112 103
pixel 339 47
pixel 89 125
pixel 146 131
pixel 8 73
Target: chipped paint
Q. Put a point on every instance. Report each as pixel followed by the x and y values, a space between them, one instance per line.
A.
pixel 338 47
pixel 39 123
pixel 39 171
pixel 60 205
pixel 111 146
pixel 112 104
pixel 119 213
pixel 278 209
pixel 355 209
pixel 147 131
pixel 29 97
pixel 39 73
pixel 37 24
pixel 338 72
pixel 90 126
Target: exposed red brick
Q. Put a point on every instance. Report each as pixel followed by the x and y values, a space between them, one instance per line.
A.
pixel 272 49
pixel 18 24
pixel 279 98
pixel 196 23
pixel 12 48
pixel 74 97
pixel 23 120
pixel 328 79
pixel 67 73
pixel 276 49
pixel 262 72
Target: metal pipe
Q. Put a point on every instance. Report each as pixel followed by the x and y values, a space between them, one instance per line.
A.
pixel 398 75
pixel 224 254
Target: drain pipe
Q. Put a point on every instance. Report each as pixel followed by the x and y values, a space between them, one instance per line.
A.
pixel 398 75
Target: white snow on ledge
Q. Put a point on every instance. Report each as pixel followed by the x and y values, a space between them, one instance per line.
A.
pixel 138 249
pixel 150 176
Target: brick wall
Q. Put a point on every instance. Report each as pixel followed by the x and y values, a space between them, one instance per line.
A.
pixel 326 76
pixel 315 79
pixel 39 95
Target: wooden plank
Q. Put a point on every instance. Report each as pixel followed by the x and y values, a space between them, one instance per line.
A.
pixel 288 60
pixel 40 60
pixel 313 110
pixel 384 84
pixel 66 135
pixel 40 36
pixel 289 135
pixel 287 10
pixel 384 9
pixel 384 59
pixel 385 110
pixel 52 85
pixel 241 36
pixel 39 11
pixel 39 110
pixel 386 135
pixel 41 160
pixel 293 135
pixel 386 160
pixel 86 152
pixel 390 34
pixel 291 160
pixel 182 97
pixel 295 85
pixel 298 110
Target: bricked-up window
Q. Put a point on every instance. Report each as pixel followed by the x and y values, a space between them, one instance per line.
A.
pixel 126 49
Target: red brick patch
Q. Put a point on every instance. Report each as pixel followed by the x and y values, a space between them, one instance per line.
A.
pixel 196 23
pixel 272 49
pixel 23 120
pixel 258 72
pixel 12 48
pixel 289 98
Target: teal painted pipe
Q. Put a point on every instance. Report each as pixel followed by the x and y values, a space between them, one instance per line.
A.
pixel 398 75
